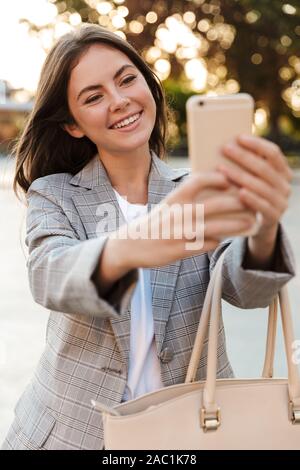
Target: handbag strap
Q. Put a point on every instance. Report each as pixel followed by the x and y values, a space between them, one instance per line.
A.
pixel 210 412
pixel 201 332
pixel 271 339
pixel 203 327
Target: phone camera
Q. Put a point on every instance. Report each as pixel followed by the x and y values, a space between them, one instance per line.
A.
pixel 201 103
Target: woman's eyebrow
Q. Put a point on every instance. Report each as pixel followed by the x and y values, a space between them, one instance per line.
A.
pixel 97 86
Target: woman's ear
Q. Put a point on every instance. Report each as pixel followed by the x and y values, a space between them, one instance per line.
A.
pixel 73 130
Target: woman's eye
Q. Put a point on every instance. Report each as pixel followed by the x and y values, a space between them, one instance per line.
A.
pixel 125 81
pixel 129 79
pixel 92 98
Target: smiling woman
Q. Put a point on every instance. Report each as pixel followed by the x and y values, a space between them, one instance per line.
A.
pixel 71 114
pixel 125 302
pixel 122 104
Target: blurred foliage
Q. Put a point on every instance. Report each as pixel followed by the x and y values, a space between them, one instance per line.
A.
pixel 176 99
pixel 247 45
pixel 265 59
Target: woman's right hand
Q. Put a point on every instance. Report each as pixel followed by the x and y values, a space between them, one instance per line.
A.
pixel 135 247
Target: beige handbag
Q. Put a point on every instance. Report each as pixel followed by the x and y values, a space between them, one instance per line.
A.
pixel 261 413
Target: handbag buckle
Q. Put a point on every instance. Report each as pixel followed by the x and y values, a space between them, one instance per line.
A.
pixel 210 423
pixel 294 415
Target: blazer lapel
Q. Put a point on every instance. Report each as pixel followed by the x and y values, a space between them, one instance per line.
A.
pixel 162 180
pixel 100 213
pixel 98 204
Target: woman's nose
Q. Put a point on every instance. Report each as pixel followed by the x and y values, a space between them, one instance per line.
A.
pixel 119 102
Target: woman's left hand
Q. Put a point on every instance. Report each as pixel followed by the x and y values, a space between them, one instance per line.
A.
pixel 264 179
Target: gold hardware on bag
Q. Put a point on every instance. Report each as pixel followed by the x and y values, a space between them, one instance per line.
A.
pixel 210 423
pixel 294 415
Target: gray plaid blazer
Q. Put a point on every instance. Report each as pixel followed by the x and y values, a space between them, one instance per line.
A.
pixel 88 337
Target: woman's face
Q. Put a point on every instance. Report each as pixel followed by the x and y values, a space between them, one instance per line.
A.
pixel 105 87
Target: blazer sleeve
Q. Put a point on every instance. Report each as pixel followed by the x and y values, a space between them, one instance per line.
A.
pixel 250 288
pixel 61 265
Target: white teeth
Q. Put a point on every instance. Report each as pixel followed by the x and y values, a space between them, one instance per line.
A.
pixel 127 121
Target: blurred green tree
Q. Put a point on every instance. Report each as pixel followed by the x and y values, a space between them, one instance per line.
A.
pixel 211 45
pixel 265 58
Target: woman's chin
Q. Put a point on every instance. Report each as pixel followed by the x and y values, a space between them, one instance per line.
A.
pixel 130 145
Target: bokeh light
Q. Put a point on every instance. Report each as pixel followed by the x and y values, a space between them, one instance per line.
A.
pixel 104 7
pixel 260 119
pixel 289 9
pixel 151 17
pixel 191 46
pixel 163 68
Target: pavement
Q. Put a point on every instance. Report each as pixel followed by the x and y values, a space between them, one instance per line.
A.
pixel 23 322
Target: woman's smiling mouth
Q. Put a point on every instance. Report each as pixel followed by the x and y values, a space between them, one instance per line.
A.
pixel 128 124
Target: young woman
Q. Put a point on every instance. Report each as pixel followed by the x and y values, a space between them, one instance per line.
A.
pixel 125 309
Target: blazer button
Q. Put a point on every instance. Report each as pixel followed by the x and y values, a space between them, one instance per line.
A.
pixel 166 355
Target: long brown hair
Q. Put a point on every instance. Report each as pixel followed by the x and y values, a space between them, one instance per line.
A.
pixel 44 147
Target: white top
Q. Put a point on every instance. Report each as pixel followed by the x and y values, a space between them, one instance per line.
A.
pixel 144 368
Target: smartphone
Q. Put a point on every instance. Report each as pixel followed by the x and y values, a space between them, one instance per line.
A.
pixel 213 121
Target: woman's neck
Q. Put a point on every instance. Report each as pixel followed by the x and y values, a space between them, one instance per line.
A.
pixel 129 175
